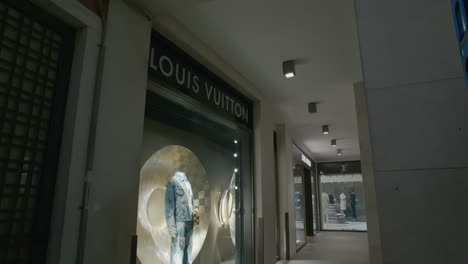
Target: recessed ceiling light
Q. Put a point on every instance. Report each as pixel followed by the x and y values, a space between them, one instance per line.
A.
pixel 312 108
pixel 333 142
pixel 289 69
pixel 325 130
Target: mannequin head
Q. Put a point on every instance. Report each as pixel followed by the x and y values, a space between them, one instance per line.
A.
pixel 180 175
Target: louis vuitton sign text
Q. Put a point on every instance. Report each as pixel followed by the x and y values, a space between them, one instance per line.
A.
pixel 176 70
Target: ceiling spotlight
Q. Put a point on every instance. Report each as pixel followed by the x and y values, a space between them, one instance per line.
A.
pixel 339 151
pixel 333 142
pixel 236 170
pixel 289 69
pixel 312 108
pixel 325 130
pixel 235 142
pixel 235 155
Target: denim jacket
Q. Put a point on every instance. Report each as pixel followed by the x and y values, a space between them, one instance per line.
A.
pixel 177 202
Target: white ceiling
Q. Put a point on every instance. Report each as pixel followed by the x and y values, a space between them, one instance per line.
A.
pixel 255 36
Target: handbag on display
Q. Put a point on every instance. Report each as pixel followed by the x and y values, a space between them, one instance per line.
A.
pixel 196 217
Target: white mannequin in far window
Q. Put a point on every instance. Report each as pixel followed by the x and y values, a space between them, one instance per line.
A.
pixel 325 203
pixel 342 202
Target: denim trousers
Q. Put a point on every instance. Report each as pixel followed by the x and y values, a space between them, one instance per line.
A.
pixel 181 244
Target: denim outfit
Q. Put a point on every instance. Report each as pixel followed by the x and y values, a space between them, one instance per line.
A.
pixel 179 218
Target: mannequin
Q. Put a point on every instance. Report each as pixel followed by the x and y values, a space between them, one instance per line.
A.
pixel 342 202
pixel 325 203
pixel 353 199
pixel 179 218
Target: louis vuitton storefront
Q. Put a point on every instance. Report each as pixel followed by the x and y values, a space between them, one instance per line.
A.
pixel 196 191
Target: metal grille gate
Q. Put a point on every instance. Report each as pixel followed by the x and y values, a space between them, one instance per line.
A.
pixel 35 59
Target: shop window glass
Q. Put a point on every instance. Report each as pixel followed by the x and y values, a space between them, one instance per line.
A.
pixel 190 190
pixel 299 204
pixel 343 202
pixel 314 203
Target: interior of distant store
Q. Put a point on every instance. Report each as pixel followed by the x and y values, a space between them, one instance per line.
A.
pixel 341 203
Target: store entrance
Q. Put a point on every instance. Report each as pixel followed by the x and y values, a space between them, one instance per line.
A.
pixel 305 204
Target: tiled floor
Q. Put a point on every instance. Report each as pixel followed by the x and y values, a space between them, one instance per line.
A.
pixel 334 248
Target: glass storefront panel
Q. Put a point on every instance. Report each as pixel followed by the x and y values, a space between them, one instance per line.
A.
pixel 343 202
pixel 305 197
pixel 191 193
pixel 299 204
pixel 314 203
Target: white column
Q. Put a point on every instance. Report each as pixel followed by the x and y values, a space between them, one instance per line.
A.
pixel 71 171
pixel 114 177
pixel 368 173
pixel 286 190
pixel 265 181
pixel 418 119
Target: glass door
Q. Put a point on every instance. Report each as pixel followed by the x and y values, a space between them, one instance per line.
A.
pixel 277 202
pixel 314 203
pixel 299 204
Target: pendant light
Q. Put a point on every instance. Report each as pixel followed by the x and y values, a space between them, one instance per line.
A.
pixel 333 142
pixel 325 130
pixel 289 69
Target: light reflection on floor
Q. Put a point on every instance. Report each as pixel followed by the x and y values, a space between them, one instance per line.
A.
pixel 357 226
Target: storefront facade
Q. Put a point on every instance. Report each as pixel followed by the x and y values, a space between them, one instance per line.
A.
pixel 129 107
pixel 198 126
pixel 305 196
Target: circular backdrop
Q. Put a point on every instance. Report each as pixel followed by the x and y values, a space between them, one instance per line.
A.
pixel 154 242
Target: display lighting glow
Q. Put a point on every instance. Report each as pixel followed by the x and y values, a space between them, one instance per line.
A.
pixel 325 130
pixel 340 152
pixel 289 75
pixel 226 203
pixel 306 160
pixel 235 155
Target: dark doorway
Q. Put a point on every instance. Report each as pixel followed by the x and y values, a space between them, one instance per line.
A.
pixel 277 202
pixel 35 60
